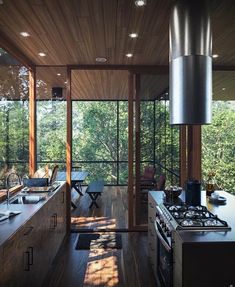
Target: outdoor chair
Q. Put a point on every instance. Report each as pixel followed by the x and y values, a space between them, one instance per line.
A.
pixel 147 180
pixel 160 185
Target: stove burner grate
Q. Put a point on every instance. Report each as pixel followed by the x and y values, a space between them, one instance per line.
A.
pixel 195 217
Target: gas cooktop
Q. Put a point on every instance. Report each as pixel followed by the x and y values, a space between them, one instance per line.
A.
pixel 195 218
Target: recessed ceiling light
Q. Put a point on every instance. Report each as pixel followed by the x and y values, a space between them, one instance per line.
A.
pixel 215 56
pixel 129 55
pixel 1 2
pixel 58 74
pixel 41 54
pixel 24 34
pixel 140 3
pixel 66 82
pixel 223 89
pixel 101 59
pixel 133 35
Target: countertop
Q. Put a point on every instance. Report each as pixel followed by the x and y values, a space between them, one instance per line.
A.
pixel 9 226
pixel 225 212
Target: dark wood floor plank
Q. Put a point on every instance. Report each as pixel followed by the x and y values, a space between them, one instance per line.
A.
pixel 111 214
pixel 126 267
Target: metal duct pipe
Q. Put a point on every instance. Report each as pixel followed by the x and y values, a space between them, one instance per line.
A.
pixel 190 63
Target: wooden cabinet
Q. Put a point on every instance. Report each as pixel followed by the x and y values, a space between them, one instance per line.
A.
pixel 28 254
pixel 152 237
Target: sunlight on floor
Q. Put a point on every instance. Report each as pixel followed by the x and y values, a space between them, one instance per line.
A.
pixel 94 222
pixel 101 269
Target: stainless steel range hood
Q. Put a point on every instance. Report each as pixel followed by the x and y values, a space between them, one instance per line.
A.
pixel 190 56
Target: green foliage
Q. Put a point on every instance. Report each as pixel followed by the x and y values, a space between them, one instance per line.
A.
pixel 51 131
pixel 14 125
pixel 218 152
pixel 167 144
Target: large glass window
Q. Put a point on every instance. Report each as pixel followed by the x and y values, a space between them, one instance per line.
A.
pixel 14 119
pixel 51 132
pixel 51 116
pixel 123 142
pixel 218 148
pixel 166 143
pixel 95 139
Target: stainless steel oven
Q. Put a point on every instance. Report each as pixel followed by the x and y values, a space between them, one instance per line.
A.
pixel 164 255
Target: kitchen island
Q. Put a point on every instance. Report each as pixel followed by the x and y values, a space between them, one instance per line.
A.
pixel 193 258
pixel 30 240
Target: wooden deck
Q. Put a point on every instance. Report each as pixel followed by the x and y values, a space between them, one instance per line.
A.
pixel 111 214
pixel 126 267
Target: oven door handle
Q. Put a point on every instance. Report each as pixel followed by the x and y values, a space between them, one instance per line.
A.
pixel 160 237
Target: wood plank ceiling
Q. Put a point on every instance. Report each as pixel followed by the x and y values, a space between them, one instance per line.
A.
pixel 78 31
pixel 75 32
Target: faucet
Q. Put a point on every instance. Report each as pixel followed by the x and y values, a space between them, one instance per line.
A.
pixel 12 179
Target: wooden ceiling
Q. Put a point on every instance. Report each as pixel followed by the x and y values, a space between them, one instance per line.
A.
pixel 78 31
pixel 113 84
pixel 224 85
pixel 99 85
pixel 75 32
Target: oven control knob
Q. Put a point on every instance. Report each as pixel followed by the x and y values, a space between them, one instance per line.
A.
pixel 161 221
pixel 168 234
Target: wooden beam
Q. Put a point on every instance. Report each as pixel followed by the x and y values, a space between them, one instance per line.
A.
pixel 32 122
pixel 194 151
pixel 140 69
pixel 137 150
pixel 183 155
pixel 9 47
pixel 68 150
pixel 130 151
pixel 223 68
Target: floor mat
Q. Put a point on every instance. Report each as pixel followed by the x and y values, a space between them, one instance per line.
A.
pixel 99 241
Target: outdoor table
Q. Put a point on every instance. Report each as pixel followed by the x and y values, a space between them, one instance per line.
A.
pixel 77 178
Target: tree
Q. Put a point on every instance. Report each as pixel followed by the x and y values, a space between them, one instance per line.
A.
pixel 218 148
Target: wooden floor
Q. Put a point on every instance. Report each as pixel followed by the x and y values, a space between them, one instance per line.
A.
pixel 126 267
pixel 111 214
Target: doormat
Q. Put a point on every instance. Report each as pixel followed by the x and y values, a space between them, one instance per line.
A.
pixel 99 241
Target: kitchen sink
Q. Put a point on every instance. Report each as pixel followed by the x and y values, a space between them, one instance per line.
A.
pixel 27 199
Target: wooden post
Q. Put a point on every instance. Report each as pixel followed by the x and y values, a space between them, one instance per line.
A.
pixel 32 122
pixel 137 149
pixel 194 151
pixel 130 151
pixel 183 155
pixel 68 150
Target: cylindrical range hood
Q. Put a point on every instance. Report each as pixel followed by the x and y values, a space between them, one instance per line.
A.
pixel 190 56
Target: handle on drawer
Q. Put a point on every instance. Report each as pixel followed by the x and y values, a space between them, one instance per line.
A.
pixel 30 255
pixel 55 220
pixel 26 261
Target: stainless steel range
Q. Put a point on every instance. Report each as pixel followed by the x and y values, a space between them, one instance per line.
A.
pixel 170 218
pixel 185 217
